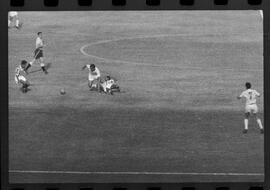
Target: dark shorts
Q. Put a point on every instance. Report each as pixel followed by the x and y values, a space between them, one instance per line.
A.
pixel 38 53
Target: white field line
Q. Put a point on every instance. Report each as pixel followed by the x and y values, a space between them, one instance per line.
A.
pixel 82 50
pixel 135 173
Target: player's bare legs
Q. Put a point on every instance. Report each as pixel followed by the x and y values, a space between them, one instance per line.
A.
pixel 25 85
pixel 29 65
pixel 90 85
pixel 98 85
pixel 40 61
pixel 42 65
pixel 247 114
pixel 259 123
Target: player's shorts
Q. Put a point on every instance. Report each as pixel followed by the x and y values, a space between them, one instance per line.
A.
pixel 38 53
pixel 252 108
pixel 20 79
pixel 92 78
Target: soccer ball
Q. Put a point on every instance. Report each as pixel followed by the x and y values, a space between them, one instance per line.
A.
pixel 62 91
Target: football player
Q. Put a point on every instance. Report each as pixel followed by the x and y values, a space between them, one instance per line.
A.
pixel 109 85
pixel 38 54
pixel 251 106
pixel 20 78
pixel 13 17
pixel 93 77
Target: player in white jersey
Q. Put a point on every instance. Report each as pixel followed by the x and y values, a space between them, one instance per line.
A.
pixel 19 78
pixel 38 54
pixel 13 17
pixel 93 77
pixel 109 85
pixel 251 106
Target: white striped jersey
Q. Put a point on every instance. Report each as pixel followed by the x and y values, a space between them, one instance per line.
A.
pixel 19 70
pixel 109 83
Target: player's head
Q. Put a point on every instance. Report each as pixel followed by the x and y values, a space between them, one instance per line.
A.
pixel 23 63
pixel 108 77
pixel 92 67
pixel 39 34
pixel 248 85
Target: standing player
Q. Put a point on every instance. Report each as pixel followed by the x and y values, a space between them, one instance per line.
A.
pixel 93 77
pixel 19 78
pixel 251 107
pixel 13 17
pixel 38 54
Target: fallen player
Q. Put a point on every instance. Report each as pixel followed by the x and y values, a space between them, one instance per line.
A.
pixel 109 86
pixel 20 78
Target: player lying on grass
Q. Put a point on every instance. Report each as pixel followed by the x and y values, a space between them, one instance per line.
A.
pixel 14 18
pixel 20 79
pixel 93 77
pixel 109 85
pixel 251 107
pixel 38 54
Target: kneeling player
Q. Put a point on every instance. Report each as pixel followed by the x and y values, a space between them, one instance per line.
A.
pixel 109 86
pixel 251 106
pixel 20 79
pixel 93 77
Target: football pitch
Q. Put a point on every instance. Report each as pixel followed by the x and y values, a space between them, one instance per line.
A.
pixel 177 118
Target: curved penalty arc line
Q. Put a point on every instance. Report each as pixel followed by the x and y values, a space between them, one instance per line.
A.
pixel 82 50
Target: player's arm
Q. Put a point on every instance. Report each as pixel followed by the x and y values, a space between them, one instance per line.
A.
pixel 84 67
pixel 240 96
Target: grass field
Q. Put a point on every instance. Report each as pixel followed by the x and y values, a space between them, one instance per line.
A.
pixel 178 119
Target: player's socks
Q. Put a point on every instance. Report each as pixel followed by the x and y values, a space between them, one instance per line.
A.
pixel 246 124
pixel 259 123
pixel 24 90
pixel 17 23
